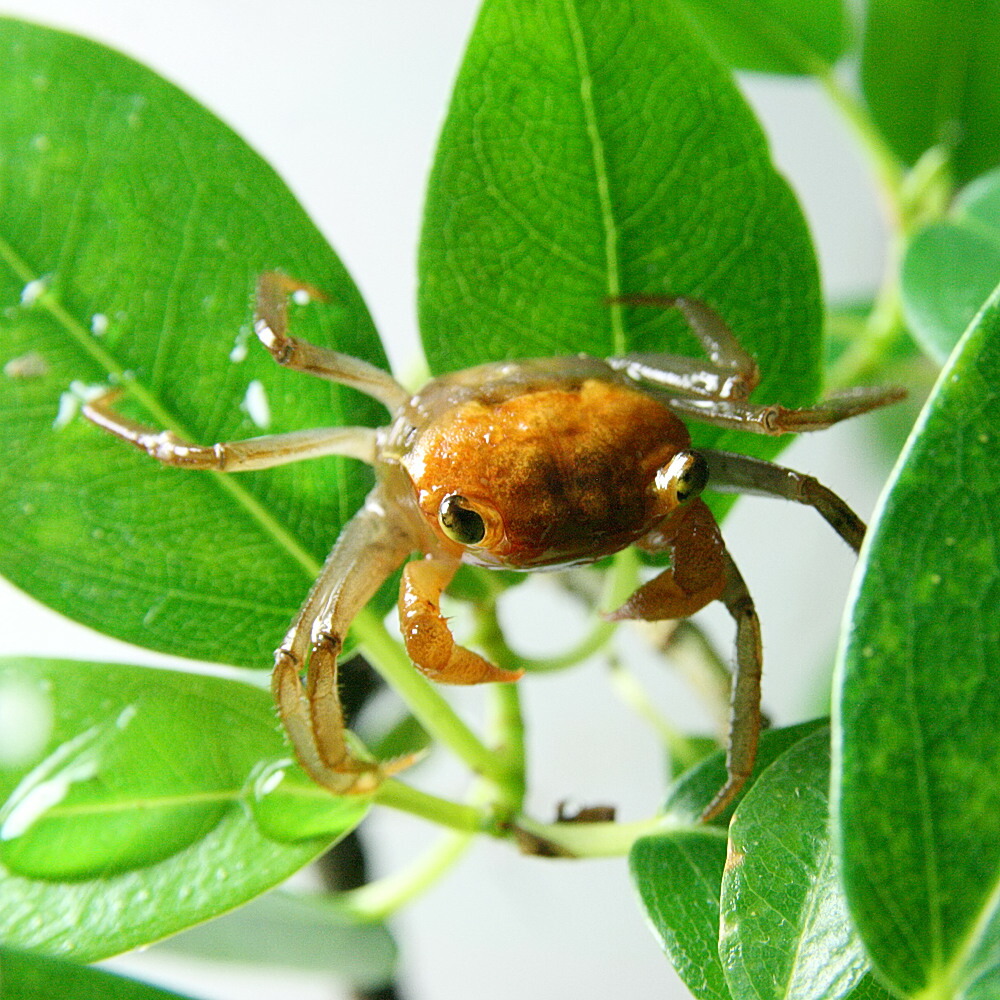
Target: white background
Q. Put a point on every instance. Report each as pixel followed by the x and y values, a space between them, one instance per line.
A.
pixel 345 98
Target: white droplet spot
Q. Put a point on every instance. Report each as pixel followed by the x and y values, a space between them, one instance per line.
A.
pixel 256 406
pixel 98 324
pixel 34 290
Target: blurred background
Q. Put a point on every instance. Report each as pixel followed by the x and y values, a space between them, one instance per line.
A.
pixel 346 100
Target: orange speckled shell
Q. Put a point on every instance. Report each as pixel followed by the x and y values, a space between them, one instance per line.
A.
pixel 569 468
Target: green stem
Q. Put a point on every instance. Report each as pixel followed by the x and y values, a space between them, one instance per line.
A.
pixel 683 751
pixel 887 169
pixel 383 897
pixel 508 729
pixel 598 840
pixel 463 818
pixel 430 708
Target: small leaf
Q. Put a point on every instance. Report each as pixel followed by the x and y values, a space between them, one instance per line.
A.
pixel 931 75
pixel 785 930
pixel 24 976
pixel 595 148
pixel 774 36
pixel 689 796
pixel 919 706
pixel 135 802
pixel 678 876
pixel 951 267
pixel 134 225
pixel 294 931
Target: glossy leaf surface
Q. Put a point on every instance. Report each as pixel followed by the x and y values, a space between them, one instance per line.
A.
pixel 951 267
pixel 678 876
pixel 595 148
pixel 931 75
pixel 919 703
pixel 774 36
pixel 24 976
pixel 135 802
pixel 133 225
pixel 785 930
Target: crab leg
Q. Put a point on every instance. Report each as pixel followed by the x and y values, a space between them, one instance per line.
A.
pixel 370 547
pixel 742 416
pixel 428 638
pixel 232 456
pixel 704 571
pixel 732 473
pixel 731 374
pixel 271 326
pixel 744 700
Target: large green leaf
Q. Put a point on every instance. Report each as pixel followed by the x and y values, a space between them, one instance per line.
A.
pixel 595 148
pixel 774 36
pixel 136 802
pixel 931 74
pixel 678 876
pixel 951 267
pixel 919 700
pixel 24 976
pixel 132 227
pixel 785 931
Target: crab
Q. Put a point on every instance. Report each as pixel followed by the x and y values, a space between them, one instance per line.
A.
pixel 524 465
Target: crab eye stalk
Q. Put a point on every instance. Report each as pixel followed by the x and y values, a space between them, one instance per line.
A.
pixel 684 477
pixel 460 522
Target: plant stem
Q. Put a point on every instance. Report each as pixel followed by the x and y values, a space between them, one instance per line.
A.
pixel 597 840
pixel 444 812
pixel 429 707
pixel 383 897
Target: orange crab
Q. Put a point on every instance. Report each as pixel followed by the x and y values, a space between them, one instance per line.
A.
pixel 525 465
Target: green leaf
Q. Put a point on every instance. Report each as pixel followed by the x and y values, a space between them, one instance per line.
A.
pixel 919 704
pixel 688 797
pixel 678 876
pixel 24 976
pixel 931 75
pixel 136 802
pixel 785 930
pixel 774 36
pixel 133 225
pixel 951 267
pixel 294 931
pixel 595 148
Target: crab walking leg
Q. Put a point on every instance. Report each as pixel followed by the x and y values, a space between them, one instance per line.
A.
pixel 732 473
pixel 733 373
pixel 370 547
pixel 232 456
pixel 745 719
pixel 742 416
pixel 428 638
pixel 271 326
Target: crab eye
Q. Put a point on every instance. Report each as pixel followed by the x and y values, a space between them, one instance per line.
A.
pixel 685 476
pixel 460 522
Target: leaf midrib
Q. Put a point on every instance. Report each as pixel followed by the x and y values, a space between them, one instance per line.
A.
pixel 118 374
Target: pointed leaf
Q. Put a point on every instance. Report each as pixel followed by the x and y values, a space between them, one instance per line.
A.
pixel 678 876
pixel 133 225
pixel 774 36
pixel 931 75
pixel 785 930
pixel 951 267
pixel 919 705
pixel 135 802
pixel 595 148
